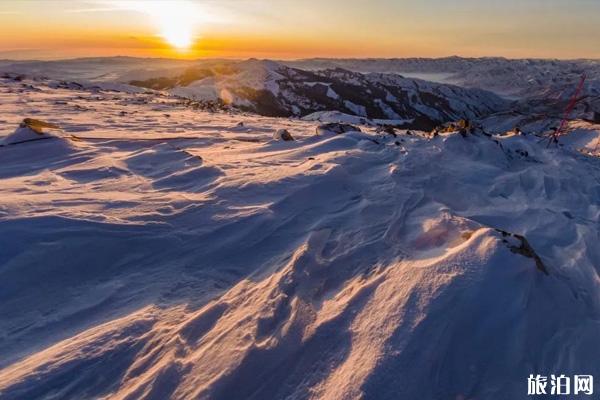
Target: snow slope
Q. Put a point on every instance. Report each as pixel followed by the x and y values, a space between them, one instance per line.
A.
pixel 520 78
pixel 167 252
pixel 384 89
pixel 272 89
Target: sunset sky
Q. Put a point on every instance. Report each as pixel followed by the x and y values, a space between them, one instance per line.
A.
pixel 299 28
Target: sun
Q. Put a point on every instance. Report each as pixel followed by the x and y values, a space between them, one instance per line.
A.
pixel 180 37
pixel 176 21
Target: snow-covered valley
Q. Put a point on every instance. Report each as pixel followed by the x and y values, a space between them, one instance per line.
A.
pixel 154 249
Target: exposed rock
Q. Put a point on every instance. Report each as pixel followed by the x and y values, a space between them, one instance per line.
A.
pixel 387 129
pixel 337 128
pixel 37 125
pixel 462 126
pixel 523 248
pixel 283 134
pixel 30 130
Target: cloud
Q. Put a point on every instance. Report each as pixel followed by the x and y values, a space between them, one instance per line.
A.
pixel 93 10
pixel 201 12
pixel 126 5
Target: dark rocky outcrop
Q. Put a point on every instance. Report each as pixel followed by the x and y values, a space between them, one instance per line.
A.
pixel 337 128
pixel 283 134
pixel 523 248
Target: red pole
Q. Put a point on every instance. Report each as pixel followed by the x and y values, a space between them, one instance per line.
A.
pixel 572 103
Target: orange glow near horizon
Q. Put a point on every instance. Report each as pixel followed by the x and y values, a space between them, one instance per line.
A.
pixel 189 29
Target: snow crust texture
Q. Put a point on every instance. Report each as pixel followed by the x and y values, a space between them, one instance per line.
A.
pixel 153 251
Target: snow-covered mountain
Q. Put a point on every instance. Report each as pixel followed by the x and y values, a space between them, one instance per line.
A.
pixel 154 250
pixel 542 87
pixel 272 89
pixel 96 69
pixel 516 78
pixel 508 77
pixel 222 264
pixel 392 89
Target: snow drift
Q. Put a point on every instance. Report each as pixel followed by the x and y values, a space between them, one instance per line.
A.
pixel 379 272
pixel 189 255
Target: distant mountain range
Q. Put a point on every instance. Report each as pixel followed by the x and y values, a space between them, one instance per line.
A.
pixel 273 89
pixel 415 93
pixel 513 78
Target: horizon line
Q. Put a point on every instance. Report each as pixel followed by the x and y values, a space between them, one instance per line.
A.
pixel 224 58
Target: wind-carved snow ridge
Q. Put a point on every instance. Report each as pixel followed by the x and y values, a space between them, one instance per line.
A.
pixel 168 252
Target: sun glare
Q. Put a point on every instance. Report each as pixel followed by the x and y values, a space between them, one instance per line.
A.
pixel 176 21
pixel 178 36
